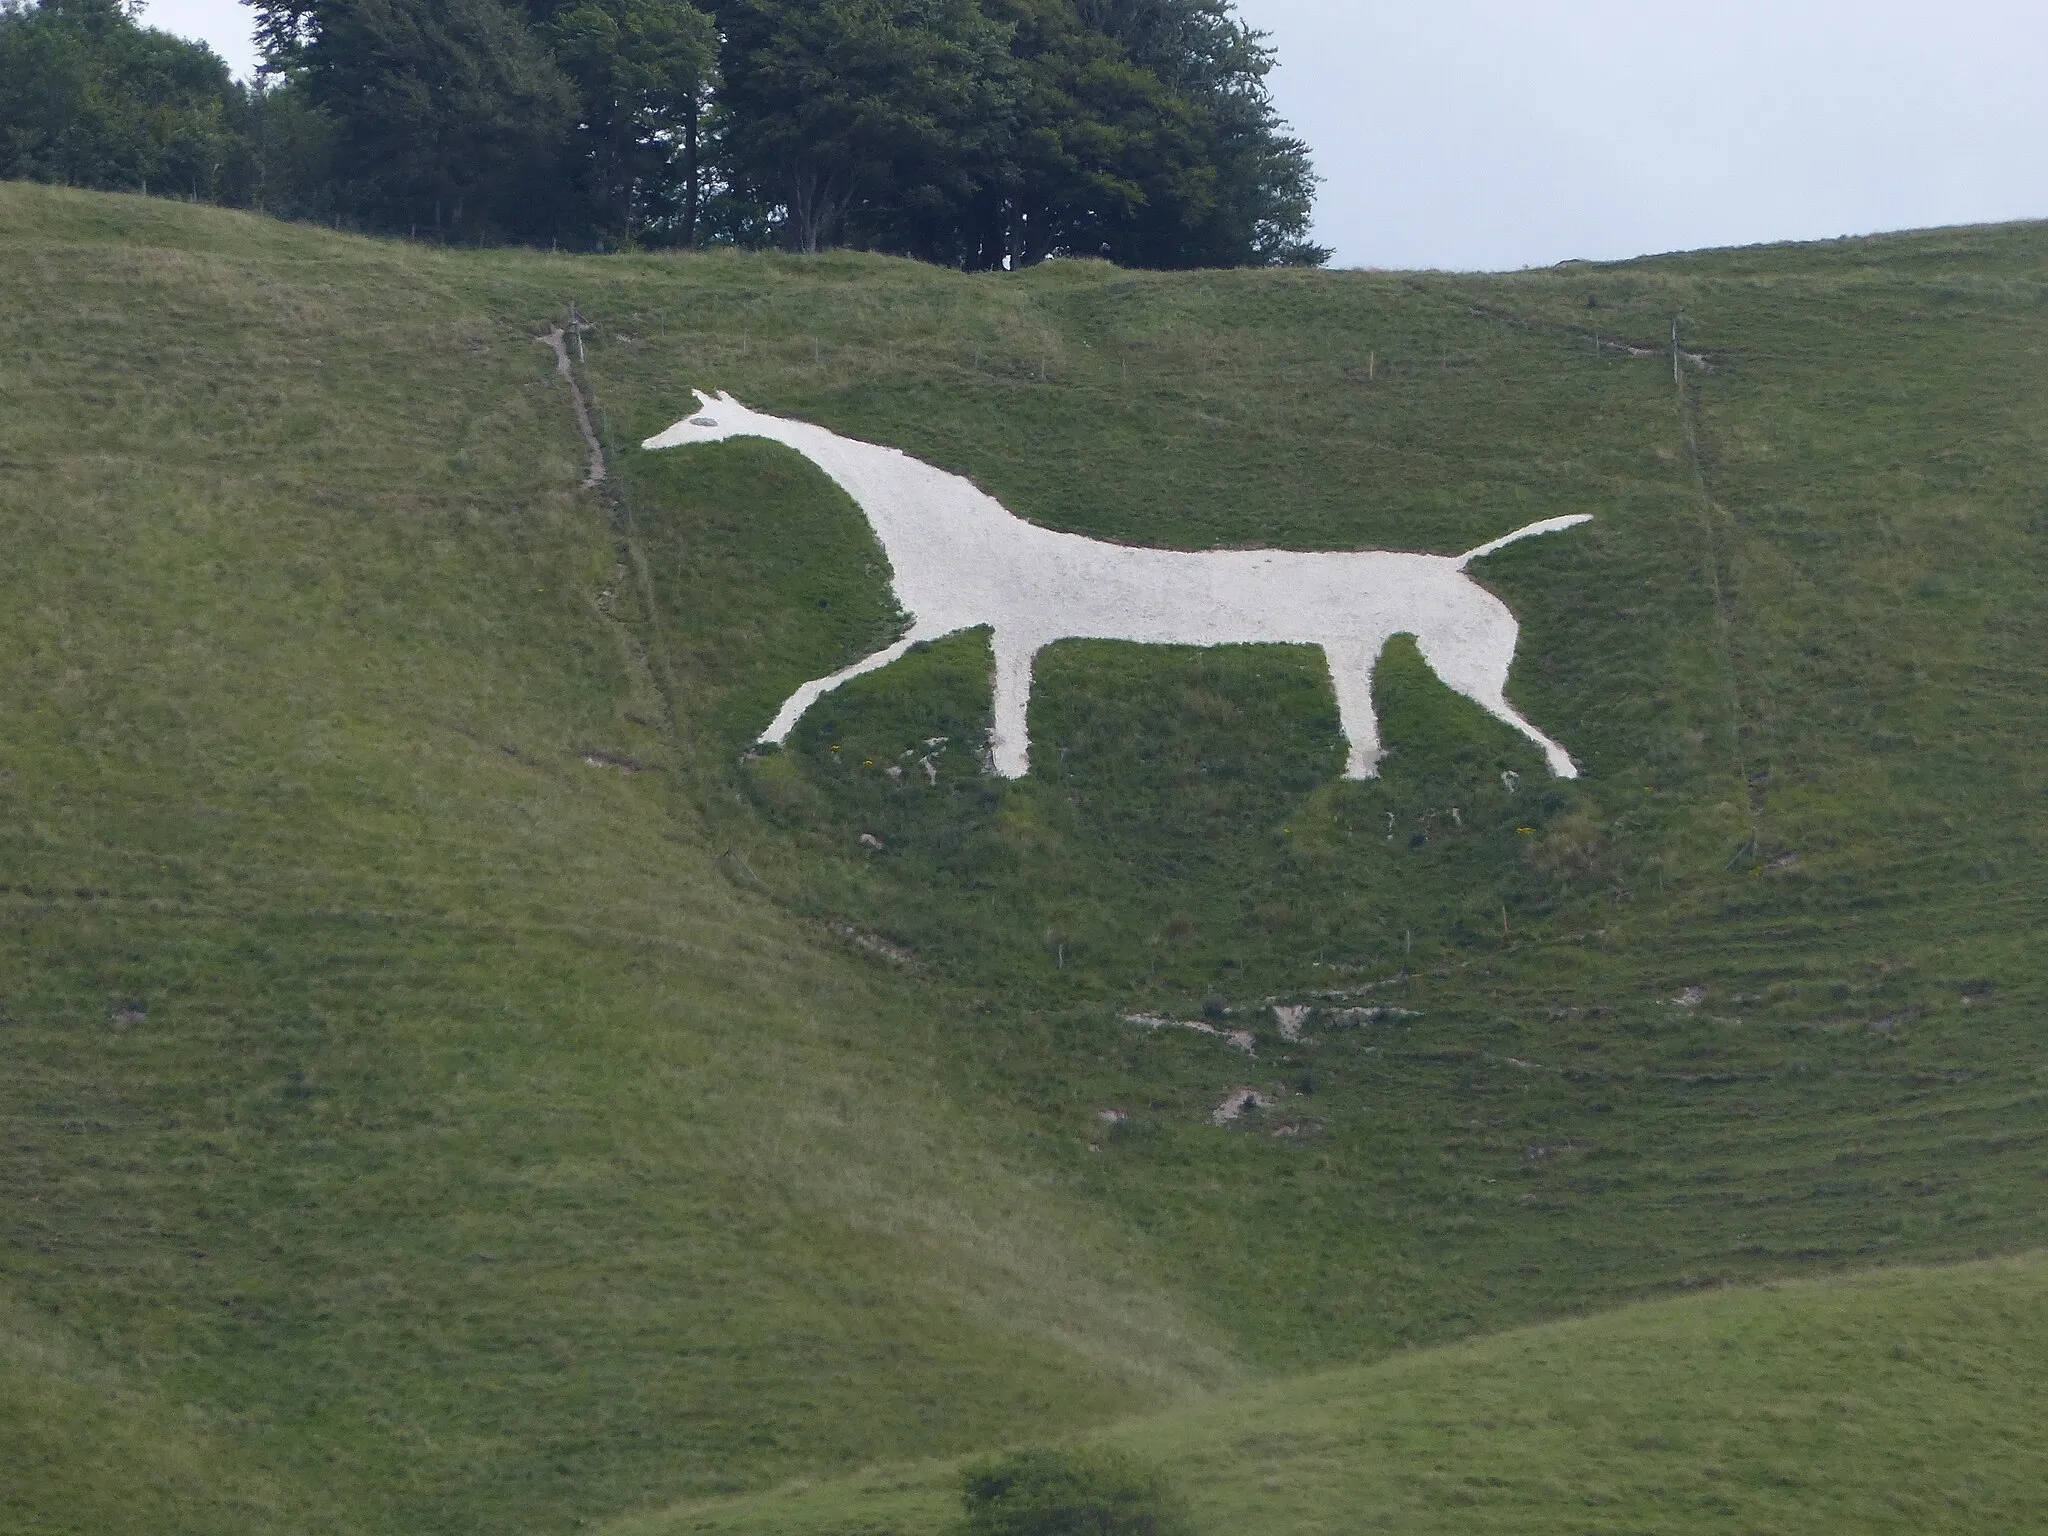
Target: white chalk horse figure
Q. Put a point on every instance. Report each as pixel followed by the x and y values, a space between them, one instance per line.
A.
pixel 961 560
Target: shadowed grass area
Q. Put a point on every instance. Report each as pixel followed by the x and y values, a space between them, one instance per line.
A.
pixel 450 1084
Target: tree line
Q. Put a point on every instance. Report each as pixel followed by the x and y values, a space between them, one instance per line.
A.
pixel 974 133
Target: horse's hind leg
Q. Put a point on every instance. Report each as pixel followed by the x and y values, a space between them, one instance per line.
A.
pixel 1475 661
pixel 1010 741
pixel 794 706
pixel 1351 665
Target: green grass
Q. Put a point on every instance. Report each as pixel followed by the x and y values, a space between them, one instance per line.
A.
pixel 483 1158
pixel 1882 1403
pixel 1809 791
pixel 407 1125
pixel 118 1455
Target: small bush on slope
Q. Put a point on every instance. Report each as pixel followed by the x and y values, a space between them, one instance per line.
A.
pixel 1069 1491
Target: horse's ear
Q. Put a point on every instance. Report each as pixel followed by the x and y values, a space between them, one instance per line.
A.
pixel 726 399
pixel 702 398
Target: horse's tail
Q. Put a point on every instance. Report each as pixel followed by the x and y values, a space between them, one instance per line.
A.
pixel 1548 525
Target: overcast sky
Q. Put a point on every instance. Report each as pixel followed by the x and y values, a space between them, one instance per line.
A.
pixel 1493 134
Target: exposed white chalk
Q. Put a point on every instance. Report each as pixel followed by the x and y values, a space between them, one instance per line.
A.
pixel 961 561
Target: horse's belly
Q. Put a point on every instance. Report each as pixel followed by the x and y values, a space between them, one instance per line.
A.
pixel 1251 596
pixel 1057 586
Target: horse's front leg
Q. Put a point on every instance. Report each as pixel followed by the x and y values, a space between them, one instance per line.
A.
pixel 1351 667
pixel 1010 741
pixel 794 706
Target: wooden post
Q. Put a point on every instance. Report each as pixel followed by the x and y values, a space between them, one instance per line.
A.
pixel 1675 376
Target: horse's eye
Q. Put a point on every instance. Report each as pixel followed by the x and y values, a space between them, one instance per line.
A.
pixel 702 421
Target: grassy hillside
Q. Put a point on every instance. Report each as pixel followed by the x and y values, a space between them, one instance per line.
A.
pixel 1798 653
pixel 409 1100
pixel 1882 1403
pixel 446 1081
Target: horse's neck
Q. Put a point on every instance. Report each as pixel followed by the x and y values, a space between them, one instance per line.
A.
pixel 905 500
pixel 840 457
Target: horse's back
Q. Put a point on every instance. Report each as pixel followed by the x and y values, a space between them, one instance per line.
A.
pixel 962 559
pixel 1087 588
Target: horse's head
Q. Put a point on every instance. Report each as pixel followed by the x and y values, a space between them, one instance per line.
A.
pixel 716 418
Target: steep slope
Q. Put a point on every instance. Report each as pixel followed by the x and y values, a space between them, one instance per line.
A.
pixel 465 1090
pixel 1759 990
pixel 415 1101
pixel 115 1455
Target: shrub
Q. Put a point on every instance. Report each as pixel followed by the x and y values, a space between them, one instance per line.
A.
pixel 1071 1491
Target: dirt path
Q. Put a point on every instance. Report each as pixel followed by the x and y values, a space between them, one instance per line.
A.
pixel 560 343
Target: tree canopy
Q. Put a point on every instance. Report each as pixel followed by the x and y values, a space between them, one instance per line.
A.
pixel 90 98
pixel 986 133
pixel 976 133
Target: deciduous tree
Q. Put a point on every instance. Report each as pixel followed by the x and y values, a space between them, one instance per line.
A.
pixel 451 113
pixel 90 98
pixel 863 107
pixel 642 69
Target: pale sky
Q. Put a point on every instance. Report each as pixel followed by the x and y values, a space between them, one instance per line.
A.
pixel 1492 134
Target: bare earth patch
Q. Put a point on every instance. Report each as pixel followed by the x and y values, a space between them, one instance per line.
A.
pixel 1243 1039
pixel 1238 1103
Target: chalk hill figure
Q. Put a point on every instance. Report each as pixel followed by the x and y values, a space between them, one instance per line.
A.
pixel 961 560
